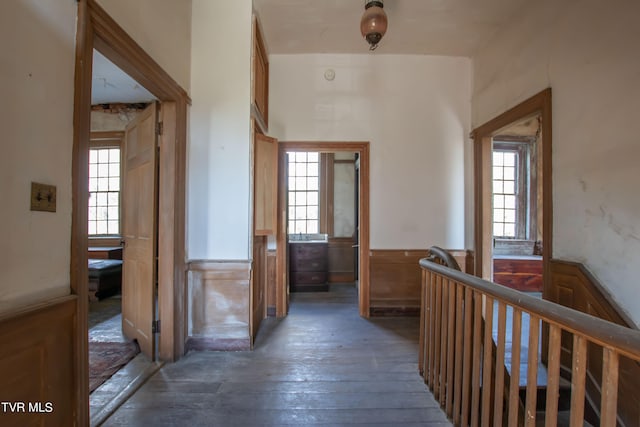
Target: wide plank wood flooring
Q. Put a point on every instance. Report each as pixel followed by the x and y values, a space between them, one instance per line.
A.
pixel 323 365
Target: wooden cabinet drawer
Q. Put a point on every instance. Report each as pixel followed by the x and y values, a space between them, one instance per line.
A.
pixel 308 277
pixel 308 257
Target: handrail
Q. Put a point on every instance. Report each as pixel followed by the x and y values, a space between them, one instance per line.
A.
pixel 600 331
pixel 437 253
pixel 464 323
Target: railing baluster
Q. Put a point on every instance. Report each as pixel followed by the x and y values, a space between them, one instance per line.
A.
pixel 443 341
pixel 532 372
pixel 459 354
pixel 432 330
pixel 514 382
pixel 422 343
pixel 609 403
pixel 437 336
pixel 553 376
pixel 578 376
pixel 498 402
pixel 451 329
pixel 487 363
pixel 466 363
pixel 477 351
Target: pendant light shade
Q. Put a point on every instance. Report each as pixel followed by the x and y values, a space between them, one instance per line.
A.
pixel 373 24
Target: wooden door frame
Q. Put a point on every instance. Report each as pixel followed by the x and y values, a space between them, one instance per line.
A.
pixel 96 29
pixel 482 135
pixel 362 148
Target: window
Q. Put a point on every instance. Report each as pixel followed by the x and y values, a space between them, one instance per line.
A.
pixel 303 192
pixel 104 191
pixel 513 216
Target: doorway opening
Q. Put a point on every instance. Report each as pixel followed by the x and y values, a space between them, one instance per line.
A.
pixel 97 30
pixel 324 216
pixel 513 217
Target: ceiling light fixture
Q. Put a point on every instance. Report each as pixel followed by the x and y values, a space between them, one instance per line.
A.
pixel 373 24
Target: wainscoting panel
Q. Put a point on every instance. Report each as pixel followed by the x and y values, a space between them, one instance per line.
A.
pixel 396 280
pixel 271 282
pixel 572 285
pixel 219 305
pixel 341 260
pixel 37 364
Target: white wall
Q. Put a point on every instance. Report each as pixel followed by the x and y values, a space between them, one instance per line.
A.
pixel 587 52
pixel 162 28
pixel 414 110
pixel 36 117
pixel 219 151
pixel 344 196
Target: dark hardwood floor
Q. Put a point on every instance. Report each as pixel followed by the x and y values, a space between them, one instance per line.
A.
pixel 321 365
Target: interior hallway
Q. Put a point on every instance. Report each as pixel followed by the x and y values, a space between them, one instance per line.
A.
pixel 321 365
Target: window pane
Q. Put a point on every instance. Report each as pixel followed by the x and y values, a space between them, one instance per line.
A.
pixel 509 187
pixel 113 213
pixel 103 169
pixel 292 183
pixel 101 227
pixel 300 157
pixel 103 184
pixel 510 202
pixel 301 169
pixel 497 187
pixel 301 198
pixel 312 226
pixel 292 169
pixel 497 172
pixel 498 215
pixel 292 198
pixel 114 169
pixel 114 184
pixel 498 229
pixel 312 184
pixel 498 201
pixel 301 183
pixel 312 157
pixel 93 170
pixel 299 227
pixel 101 213
pixel 312 169
pixel 93 156
pixel 312 212
pixel 312 198
pixel 103 156
pixel 498 158
pixel 93 184
pixel 301 212
pixel 92 227
pixel 509 159
pixel 510 173
pixel 114 155
pixel 510 215
pixel 291 226
pixel 101 199
pixel 112 227
pixel 509 230
pixel 92 213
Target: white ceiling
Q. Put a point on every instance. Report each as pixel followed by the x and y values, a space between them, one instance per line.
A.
pixel 424 27
pixel 428 27
pixel 111 85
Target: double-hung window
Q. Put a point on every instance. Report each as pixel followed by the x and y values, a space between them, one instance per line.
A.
pixel 104 191
pixel 304 192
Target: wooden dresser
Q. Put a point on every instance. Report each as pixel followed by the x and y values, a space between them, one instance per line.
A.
pixel 308 266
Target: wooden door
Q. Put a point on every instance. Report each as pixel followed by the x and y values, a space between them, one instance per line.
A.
pixel 139 198
pixel 265 185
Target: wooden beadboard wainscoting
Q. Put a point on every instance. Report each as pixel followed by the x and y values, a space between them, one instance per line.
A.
pixel 37 364
pixel 396 279
pixel 271 282
pixel 573 286
pixel 341 260
pixel 219 311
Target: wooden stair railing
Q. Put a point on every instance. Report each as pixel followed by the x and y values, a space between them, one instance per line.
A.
pixel 457 351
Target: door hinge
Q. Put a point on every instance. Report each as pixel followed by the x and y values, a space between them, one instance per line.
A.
pixel 159 128
pixel 155 327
